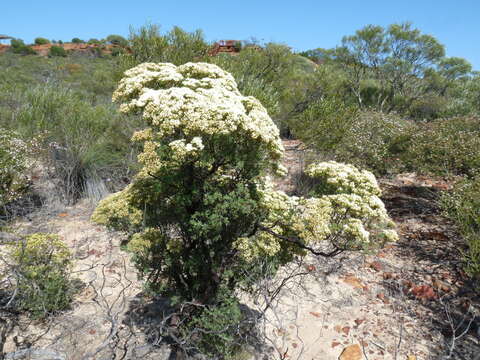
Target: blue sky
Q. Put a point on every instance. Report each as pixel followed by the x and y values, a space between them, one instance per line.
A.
pixel 302 24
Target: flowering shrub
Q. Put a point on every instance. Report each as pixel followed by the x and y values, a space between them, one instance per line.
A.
pixel 13 164
pixel 201 210
pixel 42 263
pixel 344 211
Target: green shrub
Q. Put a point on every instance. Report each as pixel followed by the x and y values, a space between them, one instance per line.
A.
pixel 219 326
pixel 201 213
pixel 324 124
pixel 462 205
pixel 94 41
pixel 19 47
pixel 57 51
pixel 116 51
pixel 41 41
pixel 446 146
pixel 378 142
pixel 77 41
pixel 371 140
pixel 42 263
pixel 117 40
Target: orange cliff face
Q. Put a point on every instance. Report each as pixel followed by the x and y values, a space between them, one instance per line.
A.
pixel 81 47
pixel 4 48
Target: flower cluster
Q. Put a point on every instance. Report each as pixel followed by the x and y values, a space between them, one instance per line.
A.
pixel 189 105
pixel 116 212
pixel 344 212
pixel 338 178
pixel 39 246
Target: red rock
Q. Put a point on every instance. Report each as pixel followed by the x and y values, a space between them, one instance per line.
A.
pixel 311 268
pixel 382 297
pixel 346 330
pixel 335 343
pixel 352 352
pixel 375 265
pixel 424 292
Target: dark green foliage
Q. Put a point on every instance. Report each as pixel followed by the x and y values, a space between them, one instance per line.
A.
pixel 117 40
pixel 41 41
pixel 76 40
pixel 57 51
pixel 462 205
pixel 19 47
pixel 216 330
pixel 116 51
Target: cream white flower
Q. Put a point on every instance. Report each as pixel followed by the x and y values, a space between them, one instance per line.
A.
pixel 195 101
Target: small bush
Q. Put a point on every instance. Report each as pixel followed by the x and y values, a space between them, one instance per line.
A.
pixel 13 164
pixel 77 41
pixel 19 47
pixel 116 51
pixel 42 263
pixel 219 327
pixel 446 146
pixel 324 124
pixel 57 51
pixel 374 141
pixel 117 40
pixel 41 41
pixel 462 205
